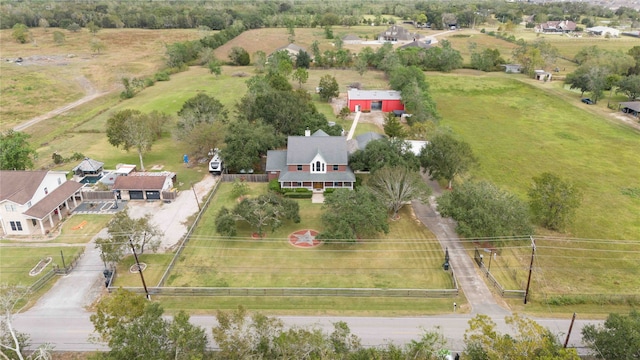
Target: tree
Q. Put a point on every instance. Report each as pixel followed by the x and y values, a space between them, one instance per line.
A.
pixel 535 55
pixel 445 157
pixel 12 342
pixel 15 151
pixel 246 143
pixel 630 86
pixel 382 152
pixel 485 60
pixel 268 210
pixel 260 61
pixel 239 56
pixel 303 60
pixel 133 327
pixel 392 126
pixel 215 67
pixel 396 185
pixel 20 33
pixel 97 46
pixel 301 75
pixel 200 109
pixel 328 88
pixel 74 27
pixel 131 129
pixel 93 27
pixel 443 58
pixel 618 338
pixel 528 340
pixel 58 37
pixel 352 214
pixel 121 229
pixel 481 209
pixel 553 201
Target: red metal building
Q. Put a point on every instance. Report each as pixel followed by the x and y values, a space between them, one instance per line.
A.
pixel 374 100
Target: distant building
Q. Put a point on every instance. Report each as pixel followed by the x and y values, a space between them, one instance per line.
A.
pixel 542 75
pixel 556 27
pixel 144 185
pixel 512 68
pixel 351 39
pixel 397 33
pixel 603 31
pixel 372 100
pixel 292 49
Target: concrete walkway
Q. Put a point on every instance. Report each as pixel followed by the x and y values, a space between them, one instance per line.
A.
pixel 480 298
pixel 353 126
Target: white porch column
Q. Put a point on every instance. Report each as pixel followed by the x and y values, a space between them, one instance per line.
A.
pixel 51 220
pixel 59 214
pixel 4 229
pixel 66 204
pixel 75 204
pixel 41 227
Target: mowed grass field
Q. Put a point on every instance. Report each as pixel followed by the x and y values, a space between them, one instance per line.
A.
pixel 408 257
pixel 518 131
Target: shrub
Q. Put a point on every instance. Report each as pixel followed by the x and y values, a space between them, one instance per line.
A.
pixel 274 185
pixel 302 190
pixel 298 195
pixel 329 191
pixel 162 76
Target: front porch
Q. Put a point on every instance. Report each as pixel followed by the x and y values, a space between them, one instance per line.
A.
pixel 48 212
pixel 317 186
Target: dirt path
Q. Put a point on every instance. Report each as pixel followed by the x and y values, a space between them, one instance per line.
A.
pixel 91 94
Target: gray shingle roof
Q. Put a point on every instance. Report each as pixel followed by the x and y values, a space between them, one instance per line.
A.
pixel 633 105
pixel 302 149
pixel 87 165
pixel 276 160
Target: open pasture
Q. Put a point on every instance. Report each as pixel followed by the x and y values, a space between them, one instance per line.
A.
pixel 16 262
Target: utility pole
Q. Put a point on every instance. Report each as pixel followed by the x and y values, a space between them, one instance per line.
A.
pixel 63 264
pixel 533 253
pixel 196 196
pixel 566 341
pixel 139 269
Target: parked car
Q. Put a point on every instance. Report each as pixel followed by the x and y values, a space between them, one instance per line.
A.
pixel 587 101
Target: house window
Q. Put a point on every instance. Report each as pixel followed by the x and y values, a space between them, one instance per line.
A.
pixel 33 222
pixel 29 204
pixel 10 208
pixel 59 181
pixel 15 225
pixel 318 167
pixel 299 167
pixel 336 167
pixel 46 191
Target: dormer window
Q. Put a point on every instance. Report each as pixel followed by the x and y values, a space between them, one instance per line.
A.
pixel 318 166
pixel 46 191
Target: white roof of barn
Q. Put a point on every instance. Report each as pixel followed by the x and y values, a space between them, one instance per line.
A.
pixel 355 94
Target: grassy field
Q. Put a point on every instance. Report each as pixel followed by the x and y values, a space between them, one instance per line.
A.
pixel 519 131
pixel 83 235
pixel 16 262
pixel 409 257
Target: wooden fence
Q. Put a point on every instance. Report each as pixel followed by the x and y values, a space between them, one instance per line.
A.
pixel 98 195
pixel 169 195
pixel 55 271
pixel 245 177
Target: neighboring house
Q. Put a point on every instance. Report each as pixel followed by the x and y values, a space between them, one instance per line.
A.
pixel 512 68
pixel 33 202
pixel 352 39
pixel 397 33
pixel 292 49
pixel 372 100
pixel 88 167
pixel 542 75
pixel 603 31
pixel 314 162
pixel 143 186
pixel 417 44
pixel 630 107
pixel 556 27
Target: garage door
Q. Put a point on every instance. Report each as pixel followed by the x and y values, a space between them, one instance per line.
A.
pixel 136 195
pixel 153 195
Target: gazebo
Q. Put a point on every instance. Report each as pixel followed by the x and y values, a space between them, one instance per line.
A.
pixel 88 167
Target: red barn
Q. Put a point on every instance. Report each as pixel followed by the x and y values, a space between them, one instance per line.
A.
pixel 372 100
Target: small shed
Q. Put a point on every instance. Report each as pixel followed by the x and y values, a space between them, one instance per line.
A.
pixel 351 39
pixel 374 100
pixel 88 167
pixel 630 107
pixel 542 75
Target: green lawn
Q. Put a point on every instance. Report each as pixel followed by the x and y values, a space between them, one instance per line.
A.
pixel 409 257
pixel 16 262
pixel 518 131
pixel 84 233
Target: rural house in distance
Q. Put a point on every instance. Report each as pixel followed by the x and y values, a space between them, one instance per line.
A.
pixel 314 162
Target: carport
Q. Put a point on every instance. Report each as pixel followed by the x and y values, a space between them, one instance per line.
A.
pixel 630 107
